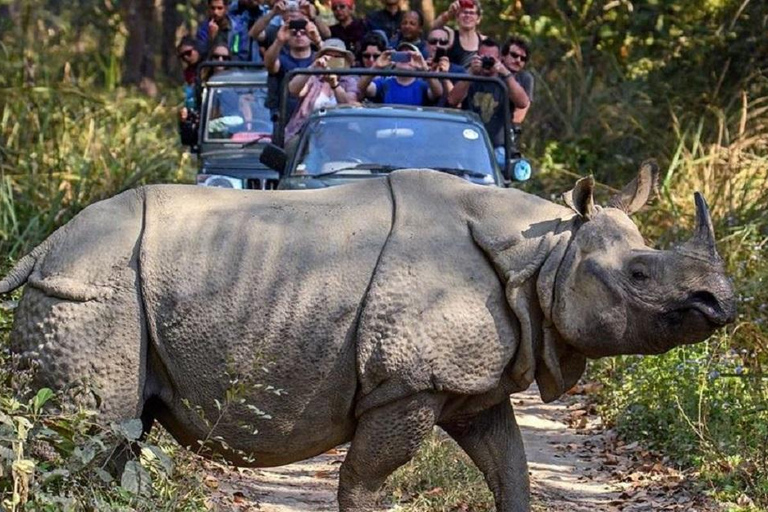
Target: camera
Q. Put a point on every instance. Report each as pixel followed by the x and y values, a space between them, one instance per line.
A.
pixel 487 62
pixel 467 4
pixel 336 63
pixel 297 24
pixel 439 54
pixel 401 57
pixel 292 5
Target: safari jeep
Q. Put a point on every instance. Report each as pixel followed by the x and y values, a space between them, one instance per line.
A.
pixel 346 143
pixel 235 126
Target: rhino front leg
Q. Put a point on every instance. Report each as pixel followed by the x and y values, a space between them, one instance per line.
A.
pixel 386 438
pixel 492 440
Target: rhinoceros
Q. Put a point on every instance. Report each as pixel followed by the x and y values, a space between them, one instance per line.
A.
pixel 366 313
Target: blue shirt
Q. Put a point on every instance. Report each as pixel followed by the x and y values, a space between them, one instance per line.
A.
pixel 389 90
pixel 275 82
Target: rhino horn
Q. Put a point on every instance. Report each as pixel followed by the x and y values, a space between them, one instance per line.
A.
pixel 702 243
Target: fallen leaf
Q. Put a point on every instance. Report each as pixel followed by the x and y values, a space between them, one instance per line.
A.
pixel 211 482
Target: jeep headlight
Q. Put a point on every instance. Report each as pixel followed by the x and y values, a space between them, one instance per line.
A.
pixel 218 180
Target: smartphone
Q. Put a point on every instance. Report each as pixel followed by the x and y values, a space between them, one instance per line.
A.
pixel 401 57
pixel 299 24
pixel 336 63
pixel 439 54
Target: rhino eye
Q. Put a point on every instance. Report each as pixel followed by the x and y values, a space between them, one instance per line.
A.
pixel 639 275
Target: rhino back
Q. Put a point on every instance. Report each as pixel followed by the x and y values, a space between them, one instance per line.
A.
pixel 264 288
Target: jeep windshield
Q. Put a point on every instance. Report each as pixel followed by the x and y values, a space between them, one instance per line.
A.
pixel 238 114
pixel 370 144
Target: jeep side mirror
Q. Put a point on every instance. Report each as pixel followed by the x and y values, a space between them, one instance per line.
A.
pixel 274 157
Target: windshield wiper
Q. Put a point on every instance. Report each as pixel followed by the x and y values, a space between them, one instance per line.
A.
pixel 370 167
pixel 462 172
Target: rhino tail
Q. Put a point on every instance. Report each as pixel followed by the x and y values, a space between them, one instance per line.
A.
pixel 23 268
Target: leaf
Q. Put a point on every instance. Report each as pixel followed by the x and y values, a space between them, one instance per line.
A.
pixel 163 459
pixel 41 398
pixel 130 430
pixel 86 453
pixel 5 419
pixel 23 425
pixel 135 478
pixel 54 475
pixel 103 475
pixel 211 482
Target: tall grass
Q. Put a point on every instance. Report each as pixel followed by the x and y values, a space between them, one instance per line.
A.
pixel 64 148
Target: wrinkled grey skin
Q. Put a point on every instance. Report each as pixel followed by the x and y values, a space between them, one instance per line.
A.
pixel 365 313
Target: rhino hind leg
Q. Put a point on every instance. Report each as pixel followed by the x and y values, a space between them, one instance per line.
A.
pixel 95 345
pixel 386 438
pixel 493 441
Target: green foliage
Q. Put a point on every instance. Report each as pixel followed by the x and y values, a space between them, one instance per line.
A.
pixel 64 148
pixel 441 478
pixel 54 457
pixel 707 405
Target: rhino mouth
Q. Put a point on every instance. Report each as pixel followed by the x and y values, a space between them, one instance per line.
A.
pixel 705 308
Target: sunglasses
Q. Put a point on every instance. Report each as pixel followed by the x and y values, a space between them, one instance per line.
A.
pixel 519 56
pixel 220 57
pixel 186 53
pixel 338 7
pixel 371 55
pixel 437 41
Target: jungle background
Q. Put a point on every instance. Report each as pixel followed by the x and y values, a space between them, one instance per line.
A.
pixel 89 91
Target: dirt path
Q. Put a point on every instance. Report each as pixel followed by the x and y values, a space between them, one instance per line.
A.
pixel 575 466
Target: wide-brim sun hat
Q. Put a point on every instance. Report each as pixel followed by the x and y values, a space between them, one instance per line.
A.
pixel 337 46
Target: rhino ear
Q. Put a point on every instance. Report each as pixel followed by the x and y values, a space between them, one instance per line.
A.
pixel 637 192
pixel 580 198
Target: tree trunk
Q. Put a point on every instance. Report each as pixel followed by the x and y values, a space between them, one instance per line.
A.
pixel 138 61
pixel 171 21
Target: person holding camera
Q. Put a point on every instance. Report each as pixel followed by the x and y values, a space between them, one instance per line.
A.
pixel 298 35
pixel 265 28
pixel 486 98
pixel 438 61
pixel 319 91
pixel 372 46
pixel 465 40
pixel 401 90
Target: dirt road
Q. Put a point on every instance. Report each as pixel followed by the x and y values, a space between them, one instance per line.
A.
pixel 575 466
